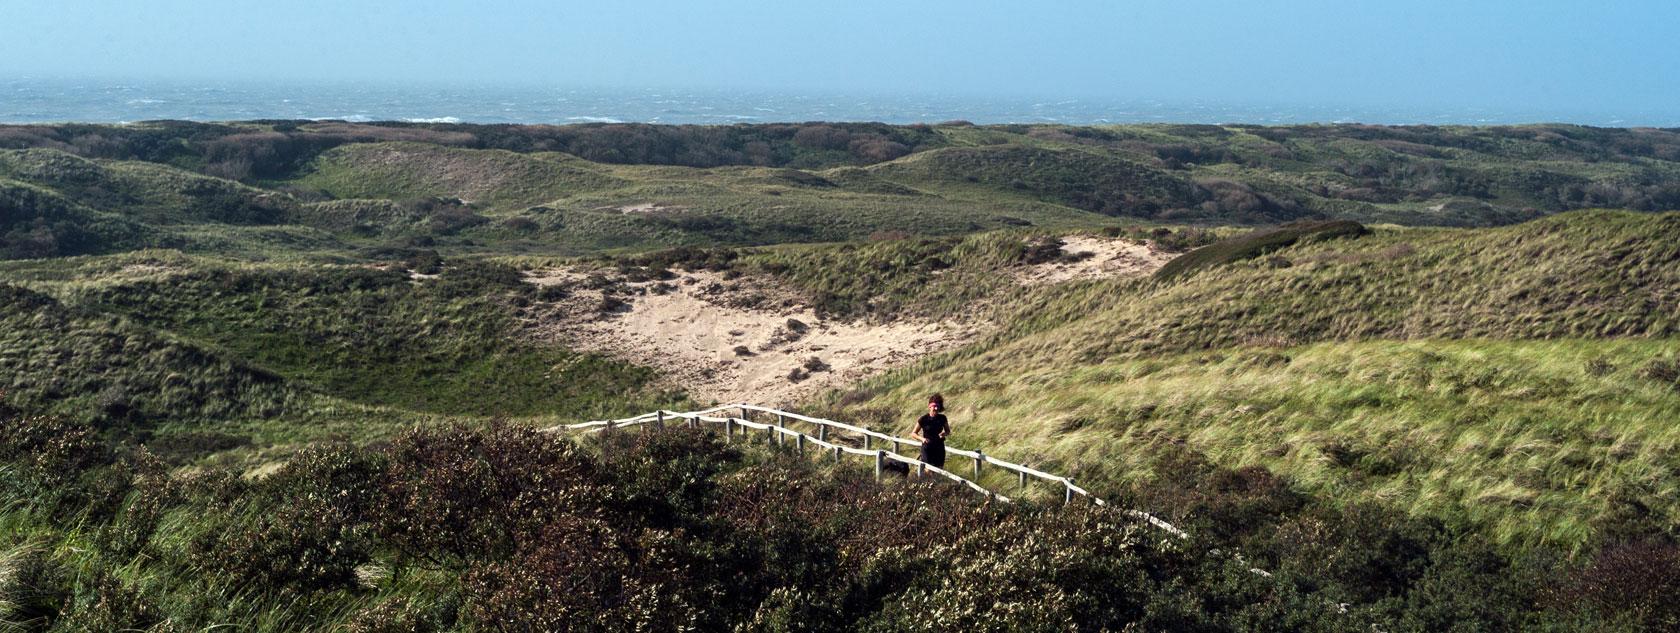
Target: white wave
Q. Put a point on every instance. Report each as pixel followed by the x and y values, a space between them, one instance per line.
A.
pixel 441 119
pixel 593 119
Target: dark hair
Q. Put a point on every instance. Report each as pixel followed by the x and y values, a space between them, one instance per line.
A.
pixel 938 402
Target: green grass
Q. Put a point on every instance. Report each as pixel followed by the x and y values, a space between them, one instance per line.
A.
pixel 495 178
pixel 957 180
pixel 1522 438
pixel 160 341
pixel 1451 370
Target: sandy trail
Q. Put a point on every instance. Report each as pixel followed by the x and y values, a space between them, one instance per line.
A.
pixel 750 340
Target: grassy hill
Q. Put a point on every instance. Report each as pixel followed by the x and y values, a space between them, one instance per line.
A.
pixel 160 341
pixel 570 190
pixel 1520 378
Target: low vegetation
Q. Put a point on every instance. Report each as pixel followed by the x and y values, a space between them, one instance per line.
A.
pixel 507 528
pixel 301 189
pixel 157 342
pixel 1255 244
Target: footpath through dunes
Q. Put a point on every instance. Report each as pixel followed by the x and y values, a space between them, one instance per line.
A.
pixel 732 336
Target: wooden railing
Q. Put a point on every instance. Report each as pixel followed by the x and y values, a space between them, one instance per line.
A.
pixel 779 432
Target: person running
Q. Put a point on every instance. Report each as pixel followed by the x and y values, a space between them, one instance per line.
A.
pixel 931 430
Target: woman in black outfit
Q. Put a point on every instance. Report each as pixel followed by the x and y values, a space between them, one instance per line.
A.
pixel 931 430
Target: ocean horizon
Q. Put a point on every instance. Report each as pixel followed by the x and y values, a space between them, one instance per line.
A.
pixel 32 100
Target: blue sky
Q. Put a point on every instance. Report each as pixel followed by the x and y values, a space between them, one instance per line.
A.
pixel 1588 56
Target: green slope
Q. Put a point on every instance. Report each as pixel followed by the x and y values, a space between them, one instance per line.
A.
pixel 1512 376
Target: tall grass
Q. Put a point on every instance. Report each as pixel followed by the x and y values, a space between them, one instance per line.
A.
pixel 1497 376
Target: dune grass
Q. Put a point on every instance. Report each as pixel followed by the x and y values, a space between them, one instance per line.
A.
pixel 1539 442
pixel 161 343
pixel 1494 375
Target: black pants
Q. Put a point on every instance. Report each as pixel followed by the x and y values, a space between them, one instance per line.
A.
pixel 933 452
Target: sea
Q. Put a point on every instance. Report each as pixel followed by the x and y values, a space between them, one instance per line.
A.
pixel 41 100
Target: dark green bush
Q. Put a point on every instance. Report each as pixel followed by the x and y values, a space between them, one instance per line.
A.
pixel 456 494
pixel 305 528
pixel 1255 244
pixel 1633 582
pixel 110 605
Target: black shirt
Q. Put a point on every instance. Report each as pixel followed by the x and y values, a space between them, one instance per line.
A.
pixel 930 426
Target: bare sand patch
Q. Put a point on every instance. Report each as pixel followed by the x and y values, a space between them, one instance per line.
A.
pixel 738 340
pixel 646 208
pixel 1098 258
pixel 749 339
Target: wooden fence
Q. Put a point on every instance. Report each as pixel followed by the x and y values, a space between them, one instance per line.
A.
pixel 827 432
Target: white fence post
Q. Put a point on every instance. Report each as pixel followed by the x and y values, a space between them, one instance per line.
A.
pixel 880 463
pixel 979 458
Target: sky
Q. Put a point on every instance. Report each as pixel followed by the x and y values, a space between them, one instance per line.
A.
pixel 1562 55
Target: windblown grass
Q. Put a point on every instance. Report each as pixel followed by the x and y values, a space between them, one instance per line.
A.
pixel 1494 375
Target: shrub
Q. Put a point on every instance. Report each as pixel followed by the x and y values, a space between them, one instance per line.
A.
pixel 455 494
pixel 425 262
pixel 1664 371
pixel 1637 581
pixel 452 219
pixel 150 493
pixel 110 605
pixel 396 615
pixel 582 575
pixel 665 479
pixel 1082 571
pixel 1255 244
pixel 49 451
pixel 305 528
pixel 521 224
pixel 877 150
pixel 822 137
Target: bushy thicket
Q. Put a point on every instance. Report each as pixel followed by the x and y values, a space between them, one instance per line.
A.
pixel 271 149
pixel 510 528
pixel 1255 244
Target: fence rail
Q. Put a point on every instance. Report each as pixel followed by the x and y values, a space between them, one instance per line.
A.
pixel 781 434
